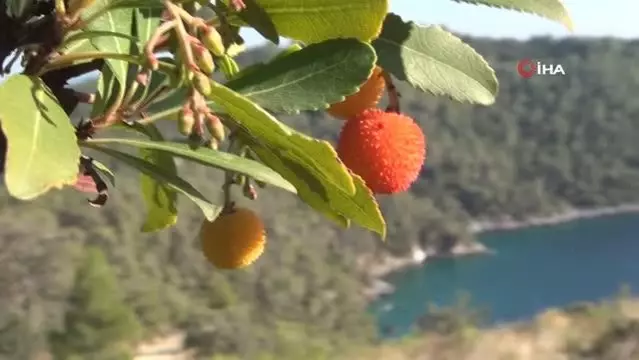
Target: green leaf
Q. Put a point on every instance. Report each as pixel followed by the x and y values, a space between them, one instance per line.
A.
pixel 316 155
pixel 255 16
pixel 336 204
pixel 207 157
pixel 549 9
pixel 146 21
pixel 436 61
pixel 363 208
pixel 160 200
pixel 42 152
pixel 76 42
pixel 119 21
pixel 210 210
pixel 86 36
pixel 308 79
pixel 311 165
pixel 313 21
pixel 107 91
pixel 311 78
pixel 309 188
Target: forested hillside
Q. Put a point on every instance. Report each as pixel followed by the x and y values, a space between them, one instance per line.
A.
pixel 548 144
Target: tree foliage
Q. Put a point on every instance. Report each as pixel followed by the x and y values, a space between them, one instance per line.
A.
pixel 98 324
pixel 341 42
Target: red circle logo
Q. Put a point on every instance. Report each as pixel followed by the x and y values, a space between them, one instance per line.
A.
pixel 526 68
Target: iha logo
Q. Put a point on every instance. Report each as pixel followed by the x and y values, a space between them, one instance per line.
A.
pixel 527 68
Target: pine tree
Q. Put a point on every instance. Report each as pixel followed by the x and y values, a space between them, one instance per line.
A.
pixel 98 323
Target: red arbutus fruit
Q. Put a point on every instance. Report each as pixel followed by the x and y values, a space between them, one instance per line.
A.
pixel 386 149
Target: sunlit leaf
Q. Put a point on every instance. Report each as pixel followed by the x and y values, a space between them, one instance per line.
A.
pixel 207 157
pixel 146 21
pixel 311 165
pixel 42 152
pixel 106 91
pixel 160 199
pixel 308 79
pixel 120 21
pixel 311 78
pixel 550 9
pixel 434 60
pixel 313 21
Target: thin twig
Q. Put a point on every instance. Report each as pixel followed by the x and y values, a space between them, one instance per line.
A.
pixel 393 94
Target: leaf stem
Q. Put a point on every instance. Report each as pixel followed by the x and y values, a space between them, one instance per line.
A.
pixel 182 35
pixel 133 88
pixel 155 39
pixel 114 5
pixel 110 116
pixel 155 96
pixel 68 59
pixel 393 94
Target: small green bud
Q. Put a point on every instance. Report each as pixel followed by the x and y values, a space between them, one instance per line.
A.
pixel 215 127
pixel 212 40
pixel 202 83
pixel 186 120
pixel 204 59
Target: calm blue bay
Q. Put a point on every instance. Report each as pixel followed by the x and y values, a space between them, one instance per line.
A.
pixel 532 269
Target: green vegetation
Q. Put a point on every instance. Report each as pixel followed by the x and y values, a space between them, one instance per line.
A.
pixel 549 143
pixel 97 324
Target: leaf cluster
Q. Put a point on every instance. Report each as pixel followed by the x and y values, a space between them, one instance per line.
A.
pixel 159 61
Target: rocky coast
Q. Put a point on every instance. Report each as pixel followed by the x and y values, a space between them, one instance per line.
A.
pixel 381 265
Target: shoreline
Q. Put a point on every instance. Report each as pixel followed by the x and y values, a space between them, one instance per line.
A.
pixel 507 223
pixel 389 264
